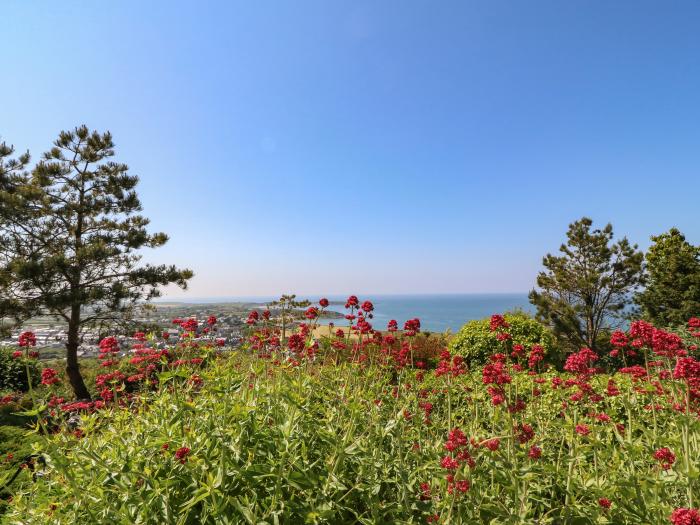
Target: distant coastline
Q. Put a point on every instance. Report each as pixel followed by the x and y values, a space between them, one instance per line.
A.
pixel 437 312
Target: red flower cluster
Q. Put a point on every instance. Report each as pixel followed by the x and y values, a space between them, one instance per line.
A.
pixel 535 452
pixel 448 365
pixel 457 445
pixel 685 516
pixel 190 325
pixel 109 346
pixel 498 322
pixel 27 339
pixel 352 302
pixel 253 317
pixel 582 430
pixel 645 335
pixel 49 376
pixel 523 433
pixel 665 457
pixel 181 454
pixel 580 362
pixel 536 356
pixel 495 373
pixel 411 327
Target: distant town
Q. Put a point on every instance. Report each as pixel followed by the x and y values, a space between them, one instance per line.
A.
pixel 155 317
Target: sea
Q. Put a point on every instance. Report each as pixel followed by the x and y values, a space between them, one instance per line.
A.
pixel 437 312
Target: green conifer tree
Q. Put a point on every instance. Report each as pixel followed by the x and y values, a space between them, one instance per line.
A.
pixel 70 235
pixel 588 286
pixel 672 292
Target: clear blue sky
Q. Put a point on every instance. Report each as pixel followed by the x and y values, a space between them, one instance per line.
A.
pixel 372 147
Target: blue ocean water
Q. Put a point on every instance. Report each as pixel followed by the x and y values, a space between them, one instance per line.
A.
pixel 437 313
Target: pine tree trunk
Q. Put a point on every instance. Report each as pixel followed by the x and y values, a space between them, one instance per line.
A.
pixel 72 366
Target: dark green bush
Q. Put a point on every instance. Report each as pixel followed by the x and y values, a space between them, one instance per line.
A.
pixel 13 371
pixel 476 342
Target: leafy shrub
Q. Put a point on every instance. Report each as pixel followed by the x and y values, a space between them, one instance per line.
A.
pixel 476 342
pixel 13 371
pixel 258 442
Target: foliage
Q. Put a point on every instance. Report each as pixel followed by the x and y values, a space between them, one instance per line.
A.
pixel 476 342
pixel 16 443
pixel 672 291
pixel 15 371
pixel 345 430
pixel 588 286
pixel 70 232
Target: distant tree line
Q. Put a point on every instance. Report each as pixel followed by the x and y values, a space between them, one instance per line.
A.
pixel 596 283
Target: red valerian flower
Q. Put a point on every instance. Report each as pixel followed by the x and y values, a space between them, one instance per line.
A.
pixel 582 430
pixel 352 302
pixel 165 335
pixel 454 366
pixel 687 368
pixel 518 351
pixel 27 339
pixel 535 452
pixel 108 345
pixel 412 326
pixel 311 312
pixel 181 454
pixel 665 457
pixel 17 354
pixel 579 362
pixel 495 374
pixel 684 516
pixel 461 485
pixel 140 336
pixel 536 356
pixel 497 322
pixel 392 326
pixel 253 317
pixel 211 321
pixel 618 339
pixel 449 463
pixel 492 444
pixel 324 302
pixel 49 376
pixel 425 494
pixel 605 503
pixel 190 325
pixel 523 432
pixel 367 306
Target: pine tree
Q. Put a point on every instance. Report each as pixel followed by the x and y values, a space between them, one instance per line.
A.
pixel 588 286
pixel 672 292
pixel 70 235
